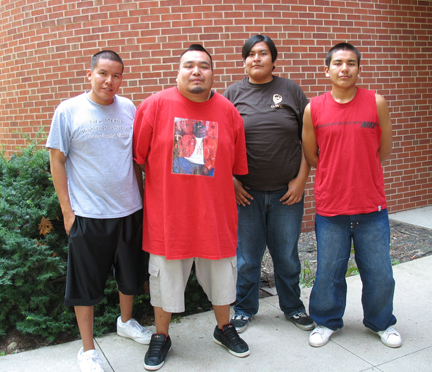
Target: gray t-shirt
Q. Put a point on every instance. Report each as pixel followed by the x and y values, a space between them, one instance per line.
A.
pixel 273 117
pixel 97 141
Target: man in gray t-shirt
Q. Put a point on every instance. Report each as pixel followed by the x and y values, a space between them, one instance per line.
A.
pixel 99 188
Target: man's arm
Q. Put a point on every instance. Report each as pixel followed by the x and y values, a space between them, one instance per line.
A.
pixel 310 145
pixel 385 124
pixel 139 176
pixel 58 172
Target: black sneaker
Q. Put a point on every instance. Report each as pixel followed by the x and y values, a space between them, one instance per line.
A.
pixel 157 352
pixel 302 320
pixel 229 338
pixel 240 322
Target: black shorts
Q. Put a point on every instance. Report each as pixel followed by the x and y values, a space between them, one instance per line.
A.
pixel 98 245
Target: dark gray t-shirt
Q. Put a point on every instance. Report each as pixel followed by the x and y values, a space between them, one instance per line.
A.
pixel 273 116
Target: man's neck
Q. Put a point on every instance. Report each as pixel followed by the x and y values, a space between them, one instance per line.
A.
pixel 201 97
pixel 343 95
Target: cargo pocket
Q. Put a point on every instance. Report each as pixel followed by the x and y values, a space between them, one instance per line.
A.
pixel 153 270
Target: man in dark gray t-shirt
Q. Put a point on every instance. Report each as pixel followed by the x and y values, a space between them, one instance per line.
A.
pixel 270 196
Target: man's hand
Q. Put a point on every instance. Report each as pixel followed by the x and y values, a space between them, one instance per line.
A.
pixel 69 219
pixel 294 193
pixel 242 196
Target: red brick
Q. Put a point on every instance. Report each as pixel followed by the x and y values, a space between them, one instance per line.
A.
pixel 45 52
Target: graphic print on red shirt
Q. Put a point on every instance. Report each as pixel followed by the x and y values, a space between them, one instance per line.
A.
pixel 195 147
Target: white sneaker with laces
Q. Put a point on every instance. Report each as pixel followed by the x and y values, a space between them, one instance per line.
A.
pixel 320 336
pixel 133 330
pixel 90 361
pixel 390 337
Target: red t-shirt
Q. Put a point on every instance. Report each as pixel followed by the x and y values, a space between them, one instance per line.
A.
pixel 349 178
pixel 193 213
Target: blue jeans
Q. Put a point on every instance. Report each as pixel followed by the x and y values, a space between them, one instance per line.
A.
pixel 184 166
pixel 370 234
pixel 267 222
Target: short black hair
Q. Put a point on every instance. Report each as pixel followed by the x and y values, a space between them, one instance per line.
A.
pixel 199 48
pixel 256 39
pixel 342 46
pixel 105 54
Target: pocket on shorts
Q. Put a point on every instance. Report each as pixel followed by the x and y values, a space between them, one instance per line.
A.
pixel 234 261
pixel 153 270
pixel 73 229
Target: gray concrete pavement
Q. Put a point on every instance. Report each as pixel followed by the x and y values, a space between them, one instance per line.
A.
pixel 276 344
pixel 420 217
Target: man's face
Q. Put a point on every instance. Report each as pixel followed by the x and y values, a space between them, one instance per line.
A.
pixel 200 130
pixel 105 80
pixel 258 64
pixel 344 69
pixel 195 76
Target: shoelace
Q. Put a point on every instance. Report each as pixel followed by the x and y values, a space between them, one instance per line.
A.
pixel 320 330
pixel 232 336
pixel 241 317
pixel 300 315
pixel 156 347
pixel 391 331
pixel 137 328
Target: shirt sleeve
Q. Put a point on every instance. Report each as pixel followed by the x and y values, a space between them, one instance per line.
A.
pixel 143 131
pixel 59 135
pixel 240 166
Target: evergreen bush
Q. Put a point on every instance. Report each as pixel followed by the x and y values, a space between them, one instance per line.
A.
pixel 33 255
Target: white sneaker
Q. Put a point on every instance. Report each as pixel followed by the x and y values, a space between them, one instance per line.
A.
pixel 390 337
pixel 132 329
pixel 320 336
pixel 90 361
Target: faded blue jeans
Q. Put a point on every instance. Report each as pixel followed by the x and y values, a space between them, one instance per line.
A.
pixel 370 234
pixel 267 222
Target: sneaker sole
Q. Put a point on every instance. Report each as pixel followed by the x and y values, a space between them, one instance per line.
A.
pixel 323 343
pixel 309 327
pixel 391 345
pixel 232 352
pixel 153 368
pixel 319 345
pixel 159 366
pixel 386 343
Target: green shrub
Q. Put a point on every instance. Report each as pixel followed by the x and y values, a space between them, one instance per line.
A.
pixel 33 255
pixel 33 247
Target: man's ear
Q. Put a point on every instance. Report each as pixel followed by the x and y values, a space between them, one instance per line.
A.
pixel 89 74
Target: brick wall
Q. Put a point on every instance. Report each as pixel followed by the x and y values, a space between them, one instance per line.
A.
pixel 46 47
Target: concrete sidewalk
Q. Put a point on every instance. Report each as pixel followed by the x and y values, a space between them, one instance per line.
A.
pixel 275 343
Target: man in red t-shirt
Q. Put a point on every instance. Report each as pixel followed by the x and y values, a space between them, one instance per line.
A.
pixel 190 217
pixel 346 136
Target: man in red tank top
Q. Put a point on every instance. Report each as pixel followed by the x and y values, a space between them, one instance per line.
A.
pixel 346 137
